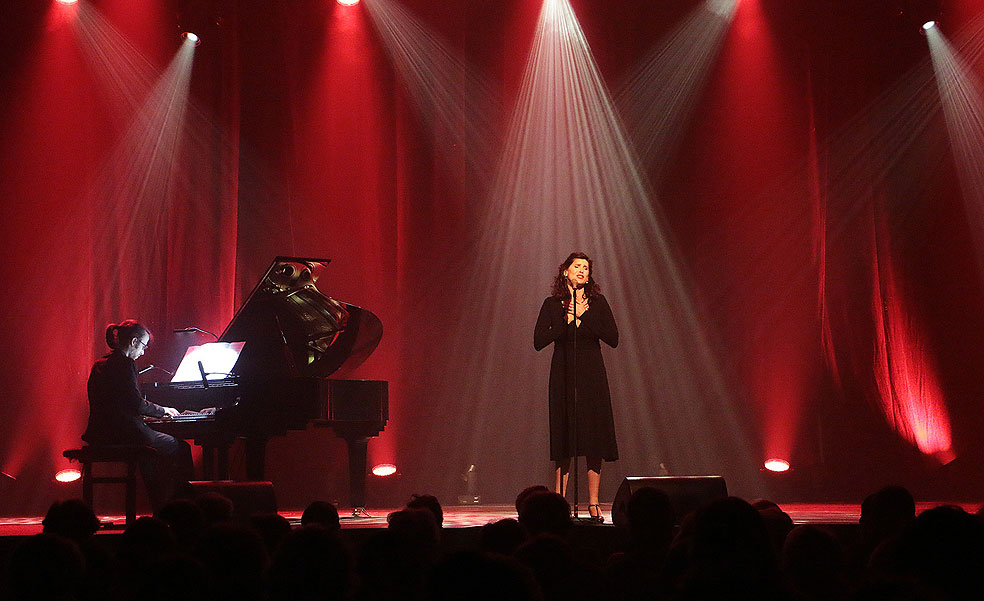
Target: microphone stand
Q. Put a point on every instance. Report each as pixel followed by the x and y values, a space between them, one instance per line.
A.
pixel 152 366
pixel 201 370
pixel 573 473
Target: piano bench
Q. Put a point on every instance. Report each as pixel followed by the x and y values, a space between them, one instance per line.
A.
pixel 131 455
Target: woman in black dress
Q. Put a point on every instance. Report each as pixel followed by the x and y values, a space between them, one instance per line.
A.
pixel 116 410
pixel 580 324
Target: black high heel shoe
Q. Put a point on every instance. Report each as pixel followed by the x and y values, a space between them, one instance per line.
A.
pixel 595 514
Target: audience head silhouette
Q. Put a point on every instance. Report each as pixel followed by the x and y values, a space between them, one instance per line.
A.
pixel 729 549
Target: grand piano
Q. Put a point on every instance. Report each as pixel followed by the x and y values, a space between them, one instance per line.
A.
pixel 296 337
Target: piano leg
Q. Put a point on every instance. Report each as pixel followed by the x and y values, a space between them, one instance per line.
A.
pixel 215 456
pixel 255 458
pixel 208 462
pixel 357 471
pixel 222 461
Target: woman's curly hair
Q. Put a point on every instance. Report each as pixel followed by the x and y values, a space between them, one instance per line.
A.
pixel 591 288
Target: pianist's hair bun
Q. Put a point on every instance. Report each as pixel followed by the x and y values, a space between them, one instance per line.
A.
pixel 118 335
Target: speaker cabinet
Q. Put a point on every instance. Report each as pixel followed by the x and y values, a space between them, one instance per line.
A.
pixel 248 498
pixel 686 493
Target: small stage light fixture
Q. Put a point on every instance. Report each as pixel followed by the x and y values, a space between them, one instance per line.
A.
pixel 384 469
pixel 928 25
pixel 69 475
pixel 192 37
pixel 348 2
pixel 67 1
pixel 777 465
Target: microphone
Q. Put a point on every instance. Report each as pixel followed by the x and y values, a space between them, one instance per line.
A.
pixel 191 329
pixel 201 370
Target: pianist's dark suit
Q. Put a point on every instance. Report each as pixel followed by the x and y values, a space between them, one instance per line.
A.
pixel 116 407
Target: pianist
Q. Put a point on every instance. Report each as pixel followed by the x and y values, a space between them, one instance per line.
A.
pixel 116 408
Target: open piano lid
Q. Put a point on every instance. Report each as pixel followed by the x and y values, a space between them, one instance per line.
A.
pixel 291 328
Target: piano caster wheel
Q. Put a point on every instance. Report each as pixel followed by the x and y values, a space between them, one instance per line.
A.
pixel 360 512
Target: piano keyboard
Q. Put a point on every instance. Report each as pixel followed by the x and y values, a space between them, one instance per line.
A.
pixel 184 416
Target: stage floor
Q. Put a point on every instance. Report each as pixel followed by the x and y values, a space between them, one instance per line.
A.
pixel 479 515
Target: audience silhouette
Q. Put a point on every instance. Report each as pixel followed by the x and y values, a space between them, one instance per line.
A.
pixel 728 549
pixel 321 513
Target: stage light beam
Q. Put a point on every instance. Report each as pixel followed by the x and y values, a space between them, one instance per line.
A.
pixel 885 146
pixel 348 2
pixel 568 180
pixel 963 110
pixel 453 99
pixel 659 99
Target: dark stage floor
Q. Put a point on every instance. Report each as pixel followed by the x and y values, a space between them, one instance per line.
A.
pixel 832 514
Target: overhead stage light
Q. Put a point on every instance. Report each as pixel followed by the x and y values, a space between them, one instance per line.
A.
pixel 192 37
pixel 777 465
pixel 69 475
pixel 67 1
pixel 928 25
pixel 348 2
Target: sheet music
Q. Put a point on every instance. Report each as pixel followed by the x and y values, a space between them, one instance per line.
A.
pixel 218 359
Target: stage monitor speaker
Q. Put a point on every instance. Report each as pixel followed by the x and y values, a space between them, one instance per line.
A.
pixel 248 498
pixel 686 493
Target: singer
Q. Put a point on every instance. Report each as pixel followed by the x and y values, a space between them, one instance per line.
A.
pixel 116 407
pixel 577 316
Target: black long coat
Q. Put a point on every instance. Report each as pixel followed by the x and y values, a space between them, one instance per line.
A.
pixel 116 406
pixel 595 424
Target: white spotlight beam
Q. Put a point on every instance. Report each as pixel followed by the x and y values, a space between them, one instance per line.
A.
pixel 658 100
pixel 886 141
pixel 963 109
pixel 886 147
pixel 126 204
pixel 148 149
pixel 889 138
pixel 453 99
pixel 568 180
pixel 881 139
pixel 123 73
pixel 133 192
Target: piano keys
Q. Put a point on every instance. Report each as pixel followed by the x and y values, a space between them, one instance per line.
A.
pixel 296 337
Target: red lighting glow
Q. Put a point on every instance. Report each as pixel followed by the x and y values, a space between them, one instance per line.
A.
pixel 909 392
pixel 69 475
pixel 384 469
pixel 348 2
pixel 777 465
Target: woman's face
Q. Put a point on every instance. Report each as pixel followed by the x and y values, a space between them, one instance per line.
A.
pixel 138 346
pixel 578 273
